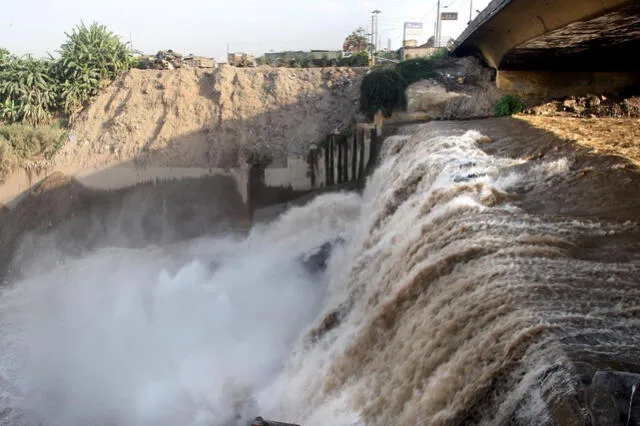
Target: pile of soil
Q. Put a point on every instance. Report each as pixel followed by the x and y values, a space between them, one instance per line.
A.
pixel 198 118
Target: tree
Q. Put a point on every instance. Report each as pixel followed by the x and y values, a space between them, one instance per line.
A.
pixel 356 42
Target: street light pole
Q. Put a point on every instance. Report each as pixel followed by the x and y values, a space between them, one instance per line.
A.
pixel 375 29
pixel 373 33
pixel 436 37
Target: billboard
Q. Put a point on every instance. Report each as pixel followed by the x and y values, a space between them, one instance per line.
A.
pixel 449 16
pixel 412 30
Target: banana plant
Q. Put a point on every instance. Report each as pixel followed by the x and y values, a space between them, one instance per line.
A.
pixel 91 57
pixel 27 90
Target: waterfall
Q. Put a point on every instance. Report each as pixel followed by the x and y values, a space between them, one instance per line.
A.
pixel 447 303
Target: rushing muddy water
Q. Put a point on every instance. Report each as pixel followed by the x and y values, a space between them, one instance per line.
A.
pixel 448 303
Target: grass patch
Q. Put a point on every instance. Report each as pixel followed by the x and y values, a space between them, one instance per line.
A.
pixel 508 105
pixel 20 143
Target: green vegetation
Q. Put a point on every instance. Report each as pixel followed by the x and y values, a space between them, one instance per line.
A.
pixel 90 59
pixel 20 142
pixel 33 91
pixel 36 92
pixel 360 59
pixel 357 41
pixel 384 89
pixel 413 70
pixel 27 90
pixel 508 105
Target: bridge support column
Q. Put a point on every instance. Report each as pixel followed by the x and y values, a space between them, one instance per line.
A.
pixel 554 84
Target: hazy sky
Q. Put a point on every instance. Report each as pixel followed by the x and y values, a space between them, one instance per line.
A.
pixel 205 27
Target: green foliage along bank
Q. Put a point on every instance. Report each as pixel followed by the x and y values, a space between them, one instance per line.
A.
pixel 91 58
pixel 384 89
pixel 508 105
pixel 21 143
pixel 34 91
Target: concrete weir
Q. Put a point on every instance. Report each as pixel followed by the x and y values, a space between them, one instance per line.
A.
pixel 119 176
pixel 340 159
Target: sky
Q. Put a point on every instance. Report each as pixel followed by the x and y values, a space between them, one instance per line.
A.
pixel 209 27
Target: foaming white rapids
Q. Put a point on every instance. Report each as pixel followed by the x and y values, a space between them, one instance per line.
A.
pixel 430 311
pixel 184 335
pixel 439 164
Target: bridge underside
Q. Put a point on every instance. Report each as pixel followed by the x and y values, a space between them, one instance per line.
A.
pixel 543 47
pixel 609 42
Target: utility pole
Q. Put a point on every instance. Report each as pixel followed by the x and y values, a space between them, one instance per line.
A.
pixel 375 29
pixel 373 34
pixel 436 37
pixel 470 11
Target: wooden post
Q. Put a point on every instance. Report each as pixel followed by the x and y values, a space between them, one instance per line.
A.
pixel 326 163
pixel 331 179
pixel 373 148
pixel 339 147
pixel 345 159
pixel 311 161
pixel 354 156
pixel 361 159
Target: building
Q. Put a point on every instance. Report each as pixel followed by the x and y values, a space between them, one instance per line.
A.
pixel 315 57
pixel 411 50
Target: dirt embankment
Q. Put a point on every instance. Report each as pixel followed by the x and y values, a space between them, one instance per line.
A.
pixel 194 118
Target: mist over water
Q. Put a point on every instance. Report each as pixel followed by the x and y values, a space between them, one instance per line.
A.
pixel 443 306
pixel 180 335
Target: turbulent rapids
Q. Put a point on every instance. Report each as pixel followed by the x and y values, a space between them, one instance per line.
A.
pixel 445 302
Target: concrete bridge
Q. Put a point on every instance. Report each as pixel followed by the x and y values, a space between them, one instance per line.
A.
pixel 558 47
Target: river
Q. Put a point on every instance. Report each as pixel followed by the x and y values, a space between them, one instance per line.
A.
pixel 462 294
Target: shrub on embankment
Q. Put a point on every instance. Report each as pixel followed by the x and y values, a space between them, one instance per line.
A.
pixel 508 105
pixel 20 143
pixel 384 89
pixel 34 91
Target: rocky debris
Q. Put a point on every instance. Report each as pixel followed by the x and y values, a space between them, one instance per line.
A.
pixel 259 421
pixel 241 60
pixel 198 62
pixel 462 89
pixel 613 398
pixel 316 261
pixel 589 106
pixel 170 60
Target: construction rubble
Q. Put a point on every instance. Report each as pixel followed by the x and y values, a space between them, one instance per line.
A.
pixel 169 60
